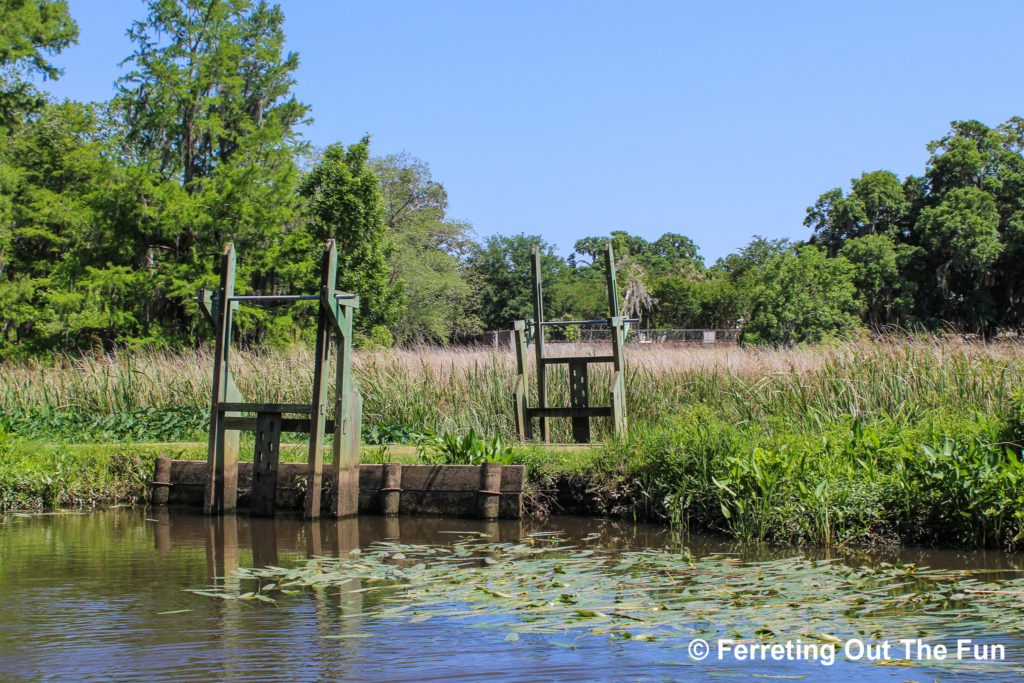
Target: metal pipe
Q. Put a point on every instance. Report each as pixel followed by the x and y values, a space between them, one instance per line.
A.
pixel 279 297
pixel 276 297
pixel 580 322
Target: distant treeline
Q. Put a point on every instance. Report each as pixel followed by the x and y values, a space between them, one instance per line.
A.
pixel 112 215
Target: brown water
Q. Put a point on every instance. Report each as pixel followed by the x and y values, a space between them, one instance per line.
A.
pixel 104 596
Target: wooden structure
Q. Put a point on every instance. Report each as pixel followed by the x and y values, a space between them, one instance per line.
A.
pixel 490 491
pixel 579 409
pixel 229 415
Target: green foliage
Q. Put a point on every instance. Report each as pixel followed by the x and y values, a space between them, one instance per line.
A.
pixel 30 31
pixel 345 204
pixel 429 254
pixel 470 448
pixel 804 297
pixel 141 424
pixel 38 476
pixel 502 265
pixel 885 293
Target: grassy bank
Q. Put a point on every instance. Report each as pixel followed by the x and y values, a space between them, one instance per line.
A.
pixel 901 440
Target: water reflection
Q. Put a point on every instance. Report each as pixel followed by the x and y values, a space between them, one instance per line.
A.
pixel 103 596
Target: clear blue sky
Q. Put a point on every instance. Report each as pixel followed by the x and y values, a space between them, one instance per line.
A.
pixel 717 120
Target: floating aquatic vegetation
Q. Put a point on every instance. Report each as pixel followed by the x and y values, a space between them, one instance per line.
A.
pixel 542 585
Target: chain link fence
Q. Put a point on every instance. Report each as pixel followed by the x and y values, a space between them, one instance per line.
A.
pixel 596 334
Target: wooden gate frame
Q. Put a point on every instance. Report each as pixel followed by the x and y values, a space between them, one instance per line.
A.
pixel 336 312
pixel 579 410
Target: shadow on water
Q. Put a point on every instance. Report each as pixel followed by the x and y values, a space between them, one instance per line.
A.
pixel 106 595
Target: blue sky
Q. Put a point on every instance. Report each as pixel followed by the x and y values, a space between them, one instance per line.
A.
pixel 568 119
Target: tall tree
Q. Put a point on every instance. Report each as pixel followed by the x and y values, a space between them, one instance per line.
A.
pixel 31 31
pixel 876 205
pixel 805 297
pixel 345 204
pixel 208 129
pixel 502 265
pixel 430 253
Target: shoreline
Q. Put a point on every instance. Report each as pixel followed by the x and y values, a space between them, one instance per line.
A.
pixel 561 479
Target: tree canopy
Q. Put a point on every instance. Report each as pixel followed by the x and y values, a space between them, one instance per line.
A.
pixel 113 213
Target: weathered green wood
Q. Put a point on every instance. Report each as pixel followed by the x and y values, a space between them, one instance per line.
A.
pixel 240 407
pixel 579 411
pixel 538 332
pixel 579 397
pixel 346 461
pixel 318 412
pixel 336 312
pixel 262 500
pixel 205 300
pixel 348 411
pixel 609 270
pixel 347 416
pixel 222 456
pixel 290 425
pixel 524 427
pixel 589 411
pixel 556 360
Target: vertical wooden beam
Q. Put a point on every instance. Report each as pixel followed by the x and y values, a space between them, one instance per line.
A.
pixel 391 492
pixel 618 394
pixel 579 397
pixel 524 429
pixel 347 450
pixel 348 408
pixel 619 330
pixel 613 288
pixel 318 416
pixel 161 481
pixel 490 490
pixel 347 424
pixel 221 492
pixel 538 333
pixel 263 499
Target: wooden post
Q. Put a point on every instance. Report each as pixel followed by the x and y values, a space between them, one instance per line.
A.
pixel 609 273
pixel 318 414
pixel 619 330
pixel 524 428
pixel 222 456
pixel 490 490
pixel 538 333
pixel 347 423
pixel 161 481
pixel 618 393
pixel 263 499
pixel 579 397
pixel 392 490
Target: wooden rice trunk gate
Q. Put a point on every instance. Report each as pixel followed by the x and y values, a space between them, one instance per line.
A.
pixel 579 409
pixel 227 413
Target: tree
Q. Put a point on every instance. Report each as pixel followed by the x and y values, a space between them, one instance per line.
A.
pixel 670 253
pixel 206 124
pixel 885 293
pixel 345 204
pixel 30 31
pixel 502 266
pixel 430 254
pixel 961 236
pixel 805 297
pixel 875 205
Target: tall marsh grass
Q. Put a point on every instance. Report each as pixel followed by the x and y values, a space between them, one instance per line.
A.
pixel 912 440
pixel 448 389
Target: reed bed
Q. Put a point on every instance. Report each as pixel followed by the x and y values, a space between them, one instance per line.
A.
pixel 454 388
pixel 899 439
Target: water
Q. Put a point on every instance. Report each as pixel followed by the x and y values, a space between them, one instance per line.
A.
pixel 105 596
